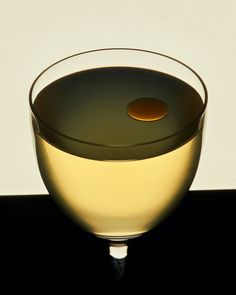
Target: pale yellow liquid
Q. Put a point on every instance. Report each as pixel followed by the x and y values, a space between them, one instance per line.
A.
pixel 118 198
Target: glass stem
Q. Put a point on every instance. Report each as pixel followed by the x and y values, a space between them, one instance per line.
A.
pixel 118 253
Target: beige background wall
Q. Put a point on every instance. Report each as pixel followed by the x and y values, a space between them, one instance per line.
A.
pixel 34 34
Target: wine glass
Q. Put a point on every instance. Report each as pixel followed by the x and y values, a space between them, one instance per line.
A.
pixel 118 136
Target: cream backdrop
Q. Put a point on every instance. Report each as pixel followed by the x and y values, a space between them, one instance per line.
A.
pixel 34 34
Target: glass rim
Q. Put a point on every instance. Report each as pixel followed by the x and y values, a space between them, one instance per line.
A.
pixel 196 119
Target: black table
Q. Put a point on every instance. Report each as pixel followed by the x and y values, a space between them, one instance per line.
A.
pixel 192 250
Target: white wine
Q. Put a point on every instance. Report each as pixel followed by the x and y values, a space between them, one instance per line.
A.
pixel 118 198
pixel 115 168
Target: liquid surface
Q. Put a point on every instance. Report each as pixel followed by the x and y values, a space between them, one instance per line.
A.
pixel 88 111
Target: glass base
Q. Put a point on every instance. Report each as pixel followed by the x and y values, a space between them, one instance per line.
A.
pixel 118 238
